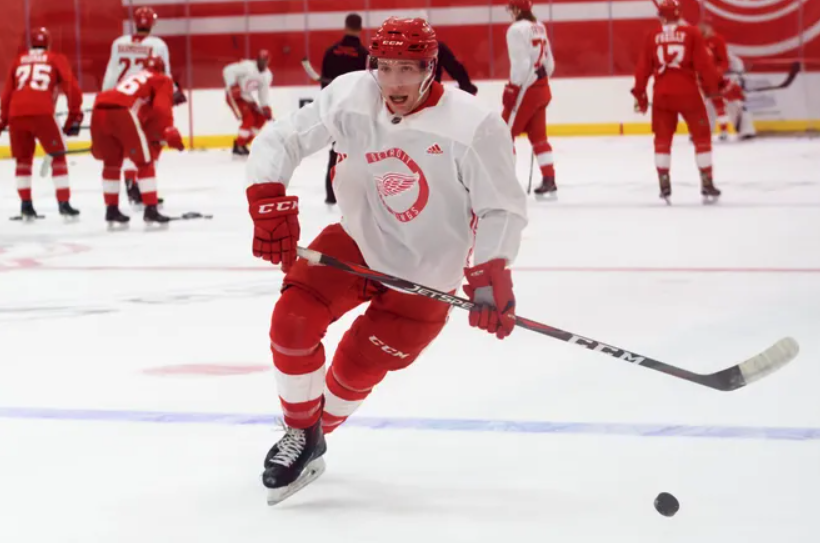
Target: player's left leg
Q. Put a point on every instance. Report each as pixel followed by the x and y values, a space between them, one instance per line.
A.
pixel 537 133
pixel 698 123
pixel 23 144
pixel 719 104
pixel 664 125
pixel 259 121
pixel 389 336
pixel 51 138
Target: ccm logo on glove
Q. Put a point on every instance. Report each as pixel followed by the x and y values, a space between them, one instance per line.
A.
pixel 278 206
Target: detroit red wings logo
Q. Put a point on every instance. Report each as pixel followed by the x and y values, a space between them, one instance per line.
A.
pixel 392 184
pixel 763 28
pixel 396 188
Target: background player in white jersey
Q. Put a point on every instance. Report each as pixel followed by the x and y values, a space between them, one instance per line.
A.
pixel 527 94
pixel 242 79
pixel 735 101
pixel 129 54
pixel 424 175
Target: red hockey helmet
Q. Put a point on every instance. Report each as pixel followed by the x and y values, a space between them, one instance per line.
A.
pixel 262 59
pixel 411 39
pixel 144 18
pixel 669 10
pixel 155 64
pixel 40 38
pixel 523 5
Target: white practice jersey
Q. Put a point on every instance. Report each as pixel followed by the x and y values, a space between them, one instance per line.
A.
pixel 415 195
pixel 529 49
pixel 246 74
pixel 128 55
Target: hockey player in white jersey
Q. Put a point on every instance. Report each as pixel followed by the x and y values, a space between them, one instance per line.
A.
pixel 735 102
pixel 129 54
pixel 527 94
pixel 242 80
pixel 425 174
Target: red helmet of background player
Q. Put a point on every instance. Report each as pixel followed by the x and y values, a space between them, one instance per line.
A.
pixel 669 10
pixel 155 64
pixel 523 5
pixel 41 38
pixel 411 39
pixel 144 18
pixel 262 59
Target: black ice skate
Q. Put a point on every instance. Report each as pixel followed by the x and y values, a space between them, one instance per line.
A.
pixel 240 150
pixel 707 188
pixel 132 188
pixel 666 187
pixel 151 215
pixel 547 188
pixel 68 212
pixel 27 212
pixel 115 218
pixel 294 462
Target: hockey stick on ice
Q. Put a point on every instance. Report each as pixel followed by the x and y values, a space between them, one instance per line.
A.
pixel 732 378
pixel 45 167
pixel 312 73
pixel 793 71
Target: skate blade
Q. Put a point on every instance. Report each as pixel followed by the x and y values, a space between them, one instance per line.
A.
pixel 312 472
pixel 118 226
pixel 26 219
pixel 71 219
pixel 710 200
pixel 547 196
pixel 151 226
pixel 667 199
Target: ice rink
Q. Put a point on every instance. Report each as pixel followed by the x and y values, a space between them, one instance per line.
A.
pixel 137 399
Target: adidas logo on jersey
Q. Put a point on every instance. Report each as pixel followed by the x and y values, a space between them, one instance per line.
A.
pixel 434 150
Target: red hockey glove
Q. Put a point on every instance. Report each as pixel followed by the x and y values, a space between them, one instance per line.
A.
pixel 236 92
pixel 275 223
pixel 490 286
pixel 510 96
pixel 267 113
pixel 641 101
pixel 72 123
pixel 173 139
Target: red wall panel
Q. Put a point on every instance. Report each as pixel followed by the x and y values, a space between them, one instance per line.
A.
pixel 585 40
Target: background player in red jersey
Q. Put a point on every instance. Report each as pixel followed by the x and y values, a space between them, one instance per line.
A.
pixel 716 46
pixel 127 121
pixel 528 94
pixel 27 109
pixel 677 58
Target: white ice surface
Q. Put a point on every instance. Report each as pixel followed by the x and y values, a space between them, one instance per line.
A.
pixel 90 319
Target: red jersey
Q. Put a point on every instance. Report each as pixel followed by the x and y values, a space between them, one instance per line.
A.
pixel 716 46
pixel 677 57
pixel 147 93
pixel 33 83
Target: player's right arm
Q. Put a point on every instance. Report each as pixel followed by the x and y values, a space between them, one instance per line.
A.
pixel 518 49
pixel 644 69
pixel 112 71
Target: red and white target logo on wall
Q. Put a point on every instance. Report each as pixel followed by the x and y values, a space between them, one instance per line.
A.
pixel 764 28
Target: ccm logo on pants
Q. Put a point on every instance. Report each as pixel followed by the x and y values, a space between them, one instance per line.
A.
pixel 387 348
pixel 278 206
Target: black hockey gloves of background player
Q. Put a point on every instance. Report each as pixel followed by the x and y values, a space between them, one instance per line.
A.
pixel 490 286
pixel 275 223
pixel 72 123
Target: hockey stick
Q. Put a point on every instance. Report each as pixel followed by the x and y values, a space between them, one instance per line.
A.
pixel 793 71
pixel 732 378
pixel 532 165
pixel 312 73
pixel 49 158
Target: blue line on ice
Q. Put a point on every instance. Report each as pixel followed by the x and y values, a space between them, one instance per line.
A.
pixel 452 425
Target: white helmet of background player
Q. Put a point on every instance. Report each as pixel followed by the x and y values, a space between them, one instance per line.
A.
pixel 144 19
pixel 403 55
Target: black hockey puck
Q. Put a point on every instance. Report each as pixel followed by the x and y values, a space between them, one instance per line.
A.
pixel 667 504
